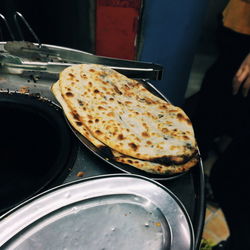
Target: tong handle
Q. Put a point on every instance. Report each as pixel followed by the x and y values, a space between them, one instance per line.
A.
pixel 8 28
pixel 51 67
pixel 20 16
pixel 38 56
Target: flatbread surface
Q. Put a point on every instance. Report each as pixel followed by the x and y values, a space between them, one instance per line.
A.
pixel 72 119
pixel 121 113
pixel 155 168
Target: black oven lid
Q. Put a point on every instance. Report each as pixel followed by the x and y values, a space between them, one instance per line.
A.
pixel 36 147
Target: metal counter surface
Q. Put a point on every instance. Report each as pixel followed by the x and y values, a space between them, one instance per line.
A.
pixel 189 188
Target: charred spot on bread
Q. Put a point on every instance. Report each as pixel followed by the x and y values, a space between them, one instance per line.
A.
pixel 133 146
pixel 169 160
pixel 117 90
pixel 188 121
pixel 181 117
pixel 111 114
pixel 101 108
pixel 120 137
pixel 98 132
pixel 164 130
pixel 83 76
pixel 80 102
pixel 145 134
pixel 128 102
pixel 71 76
pixel 148 100
pixel 69 94
pixel 175 160
pixel 75 115
pixel 163 107
pixel 79 123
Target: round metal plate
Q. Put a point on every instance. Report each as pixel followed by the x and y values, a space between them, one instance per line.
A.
pixel 106 212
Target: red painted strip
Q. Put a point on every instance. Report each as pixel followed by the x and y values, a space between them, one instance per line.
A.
pixel 117 28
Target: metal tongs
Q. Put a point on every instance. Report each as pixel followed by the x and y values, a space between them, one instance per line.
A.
pixel 53 59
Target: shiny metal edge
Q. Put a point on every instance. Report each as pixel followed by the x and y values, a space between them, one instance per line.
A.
pixel 13 57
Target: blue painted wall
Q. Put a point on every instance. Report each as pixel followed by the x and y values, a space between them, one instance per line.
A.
pixel 170 33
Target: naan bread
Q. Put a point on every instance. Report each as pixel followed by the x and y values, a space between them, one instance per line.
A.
pixel 72 118
pixel 146 166
pixel 125 116
pixel 155 168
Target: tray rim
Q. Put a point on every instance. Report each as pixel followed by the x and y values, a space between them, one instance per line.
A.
pixel 36 198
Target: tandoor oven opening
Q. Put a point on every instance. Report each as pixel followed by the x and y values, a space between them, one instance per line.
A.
pixel 36 147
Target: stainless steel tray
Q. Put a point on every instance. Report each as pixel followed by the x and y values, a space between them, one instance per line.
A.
pixel 106 212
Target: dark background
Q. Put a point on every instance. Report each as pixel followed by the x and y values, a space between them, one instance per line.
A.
pixel 58 22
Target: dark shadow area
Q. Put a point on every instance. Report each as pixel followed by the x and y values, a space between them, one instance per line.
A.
pixel 36 148
pixel 57 22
